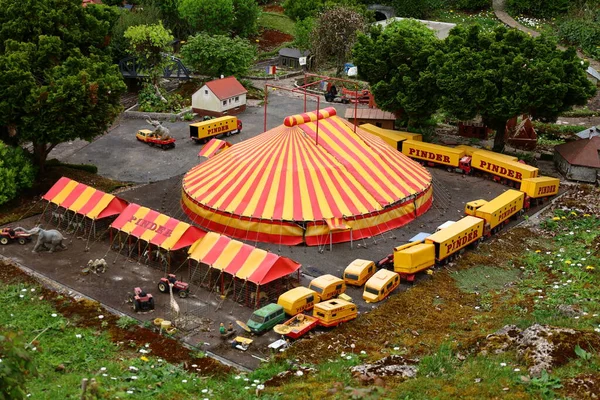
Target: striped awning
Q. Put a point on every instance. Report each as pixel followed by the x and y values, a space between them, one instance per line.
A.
pixel 83 199
pixel 213 147
pixel 241 260
pixel 156 228
pixel 296 172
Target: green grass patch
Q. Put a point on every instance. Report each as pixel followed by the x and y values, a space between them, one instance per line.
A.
pixel 278 22
pixel 484 278
pixel 486 18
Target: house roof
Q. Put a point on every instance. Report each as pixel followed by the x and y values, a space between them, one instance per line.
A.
pixel 226 87
pixel 369 113
pixel 589 133
pixel 293 53
pixel 583 152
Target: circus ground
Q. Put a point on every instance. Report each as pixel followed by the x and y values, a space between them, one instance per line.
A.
pixel 157 175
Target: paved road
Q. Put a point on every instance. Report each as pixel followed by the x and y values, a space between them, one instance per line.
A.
pixel 120 156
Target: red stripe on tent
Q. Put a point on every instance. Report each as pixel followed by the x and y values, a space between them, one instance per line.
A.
pixel 213 254
pixel 262 269
pixel 169 227
pixel 74 195
pixel 150 217
pixel 240 258
pixel 189 237
pixel 115 206
pixel 282 267
pixel 56 188
pixel 125 216
pixel 265 191
pixel 91 203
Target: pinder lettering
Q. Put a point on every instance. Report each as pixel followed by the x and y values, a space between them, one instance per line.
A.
pixel 518 176
pixel 438 157
pixel 447 159
pixel 482 164
pixel 431 156
pixel 411 151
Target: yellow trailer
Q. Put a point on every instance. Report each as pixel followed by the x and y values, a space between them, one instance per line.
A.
pixel 203 131
pixel 470 150
pixel 417 137
pixel 387 135
pixel 432 153
pixel 412 258
pixel 497 211
pixel 456 237
pixel 501 167
pixel 540 187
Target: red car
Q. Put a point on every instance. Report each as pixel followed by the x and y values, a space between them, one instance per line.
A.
pixel 8 235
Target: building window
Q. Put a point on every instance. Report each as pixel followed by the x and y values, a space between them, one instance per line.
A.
pixel 206 91
pixel 224 102
pixel 237 99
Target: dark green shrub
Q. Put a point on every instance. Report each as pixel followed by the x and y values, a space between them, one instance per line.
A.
pixel 471 5
pixel 150 102
pixel 538 8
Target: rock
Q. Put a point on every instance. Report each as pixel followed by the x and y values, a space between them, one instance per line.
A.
pixel 60 368
pixel 569 311
pixel 388 366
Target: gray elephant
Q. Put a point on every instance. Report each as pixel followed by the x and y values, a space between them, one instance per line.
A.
pixel 46 238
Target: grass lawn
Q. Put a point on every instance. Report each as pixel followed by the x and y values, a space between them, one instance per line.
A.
pixel 278 22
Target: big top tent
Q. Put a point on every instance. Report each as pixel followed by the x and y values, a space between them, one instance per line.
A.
pixel 311 180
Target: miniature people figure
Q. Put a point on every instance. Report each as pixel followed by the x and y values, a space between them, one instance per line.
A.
pixel 222 329
pixel 230 327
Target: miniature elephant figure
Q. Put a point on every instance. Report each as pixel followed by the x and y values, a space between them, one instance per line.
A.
pixel 47 238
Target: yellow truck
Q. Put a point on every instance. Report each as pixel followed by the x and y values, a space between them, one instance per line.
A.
pixel 387 135
pixel 470 150
pixel 498 211
pixel 449 241
pixel 500 167
pixel 433 154
pixel 411 258
pixel 540 188
pixel 202 132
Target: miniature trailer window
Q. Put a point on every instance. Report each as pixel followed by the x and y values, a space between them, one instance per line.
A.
pixel 371 290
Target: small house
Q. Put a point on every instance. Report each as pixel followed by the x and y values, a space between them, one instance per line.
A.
pixel 290 58
pixel 225 96
pixel 374 116
pixel 593 75
pixel 579 160
pixel 589 133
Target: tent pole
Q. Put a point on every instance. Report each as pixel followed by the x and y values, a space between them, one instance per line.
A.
pixel 330 239
pixel 351 239
pixel 257 303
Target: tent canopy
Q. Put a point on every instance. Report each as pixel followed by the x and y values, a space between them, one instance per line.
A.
pixel 83 199
pixel 156 228
pixel 241 260
pixel 213 147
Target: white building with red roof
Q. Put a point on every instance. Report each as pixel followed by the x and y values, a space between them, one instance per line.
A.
pixel 225 96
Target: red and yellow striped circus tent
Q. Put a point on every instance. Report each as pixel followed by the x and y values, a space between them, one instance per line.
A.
pixel 311 180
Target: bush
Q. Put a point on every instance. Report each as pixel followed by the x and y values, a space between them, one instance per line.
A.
pixel 538 8
pixel 471 5
pixel 16 172
pixel 150 102
pixel 17 365
pixel 584 34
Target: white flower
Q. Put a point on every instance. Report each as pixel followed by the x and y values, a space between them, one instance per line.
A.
pixel 569 281
pixel 132 368
pixel 144 351
pixel 260 387
pixel 32 289
pixel 396 348
pixel 349 358
pixel 237 377
pixel 134 377
pixel 540 290
pixel 503 364
pixel 78 336
pixel 246 379
pixel 54 315
pixel 597 329
pixel 21 296
pixel 363 352
pixel 256 381
pixel 23 290
pixel 343 354
pixel 517 369
pixel 247 387
pixel 130 391
pixel 583 259
pixel 185 381
pixel 254 384
pixel 104 374
pixel 555 286
pixel 103 369
pixel 299 373
pixel 100 316
pixel 204 390
pixel 550 262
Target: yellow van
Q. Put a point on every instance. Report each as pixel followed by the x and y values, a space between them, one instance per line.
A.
pixel 380 285
pixel 327 286
pixel 297 300
pixel 358 272
pixel 334 312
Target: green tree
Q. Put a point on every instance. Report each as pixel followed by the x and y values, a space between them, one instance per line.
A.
pixel 169 15
pixel 303 31
pixel 146 15
pixel 246 13
pixel 394 61
pixel 218 55
pixel 215 17
pixel 17 365
pixel 301 9
pixel 16 172
pixel 334 35
pixel 57 82
pixel 501 74
pixel 413 8
pixel 149 43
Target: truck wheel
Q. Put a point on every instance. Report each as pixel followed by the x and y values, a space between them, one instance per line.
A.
pixel 136 305
pixel 22 241
pixel 151 304
pixel 3 240
pixel 183 294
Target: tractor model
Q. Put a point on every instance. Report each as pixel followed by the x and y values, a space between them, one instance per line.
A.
pixel 8 235
pixel 141 300
pixel 181 287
